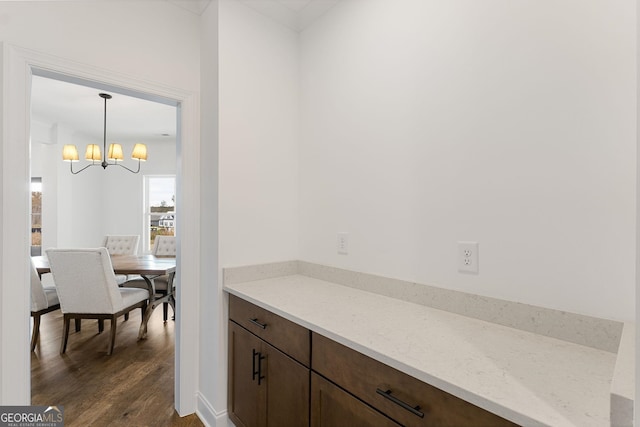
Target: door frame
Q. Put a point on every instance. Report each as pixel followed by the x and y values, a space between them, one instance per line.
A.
pixel 18 66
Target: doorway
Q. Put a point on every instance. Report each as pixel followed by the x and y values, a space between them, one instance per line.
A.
pixel 19 65
pixel 78 210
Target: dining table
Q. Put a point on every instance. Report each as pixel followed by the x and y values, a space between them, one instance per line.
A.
pixel 146 266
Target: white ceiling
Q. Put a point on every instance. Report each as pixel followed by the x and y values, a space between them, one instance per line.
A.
pixel 295 14
pixel 195 6
pixel 80 109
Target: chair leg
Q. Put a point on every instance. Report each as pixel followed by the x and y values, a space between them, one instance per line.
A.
pixel 113 336
pixel 143 320
pixel 65 333
pixel 143 311
pixel 100 325
pixel 36 331
pixel 165 311
pixel 126 317
pixel 78 324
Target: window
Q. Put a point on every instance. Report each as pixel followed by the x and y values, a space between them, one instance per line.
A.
pixel 160 211
pixel 36 216
pixel 160 207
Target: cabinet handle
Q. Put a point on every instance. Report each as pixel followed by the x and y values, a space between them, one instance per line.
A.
pixel 260 376
pixel 253 364
pixel 415 410
pixel 255 322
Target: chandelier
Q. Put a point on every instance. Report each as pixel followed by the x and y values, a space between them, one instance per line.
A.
pixel 104 158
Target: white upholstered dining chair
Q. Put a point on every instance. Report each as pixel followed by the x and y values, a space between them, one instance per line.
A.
pixel 162 246
pixel 44 299
pixel 87 289
pixel 121 245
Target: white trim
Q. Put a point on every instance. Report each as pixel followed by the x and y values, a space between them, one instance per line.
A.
pixel 636 405
pixel 18 64
pixel 14 298
pixel 209 416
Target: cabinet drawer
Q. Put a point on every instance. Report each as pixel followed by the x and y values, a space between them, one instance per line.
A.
pixel 281 333
pixel 402 397
pixel 331 406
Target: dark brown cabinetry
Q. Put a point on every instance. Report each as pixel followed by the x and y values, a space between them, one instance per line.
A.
pixel 331 406
pixel 267 388
pixel 286 336
pixel 245 396
pixel 399 396
pixel 282 375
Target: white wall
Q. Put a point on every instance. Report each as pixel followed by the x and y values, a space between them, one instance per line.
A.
pixel 258 138
pixel 146 39
pixel 72 201
pixel 71 208
pixel 425 123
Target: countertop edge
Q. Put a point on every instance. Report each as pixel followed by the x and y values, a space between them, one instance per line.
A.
pixel 480 401
pixel 622 383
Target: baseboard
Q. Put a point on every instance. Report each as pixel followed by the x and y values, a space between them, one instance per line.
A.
pixel 208 415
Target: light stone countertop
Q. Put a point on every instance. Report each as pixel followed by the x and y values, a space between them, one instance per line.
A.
pixel 527 378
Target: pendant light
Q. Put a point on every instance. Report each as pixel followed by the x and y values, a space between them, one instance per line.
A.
pixel 104 158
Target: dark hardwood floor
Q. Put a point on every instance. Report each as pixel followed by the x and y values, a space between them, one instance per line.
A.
pixel 132 387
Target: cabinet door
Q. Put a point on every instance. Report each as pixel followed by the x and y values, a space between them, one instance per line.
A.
pixel 287 383
pixel 266 387
pixel 331 406
pixel 246 398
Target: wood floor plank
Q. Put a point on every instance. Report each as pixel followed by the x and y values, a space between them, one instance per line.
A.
pixel 133 387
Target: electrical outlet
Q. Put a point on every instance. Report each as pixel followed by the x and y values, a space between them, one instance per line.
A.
pixel 468 257
pixel 343 243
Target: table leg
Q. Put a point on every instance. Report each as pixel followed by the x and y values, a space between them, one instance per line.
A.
pixel 142 333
